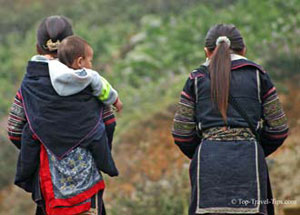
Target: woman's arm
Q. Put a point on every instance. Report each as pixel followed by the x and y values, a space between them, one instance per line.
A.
pixel 16 121
pixel 275 127
pixel 110 124
pixel 184 125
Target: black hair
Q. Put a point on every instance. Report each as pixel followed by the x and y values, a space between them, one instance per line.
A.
pixel 51 31
pixel 220 64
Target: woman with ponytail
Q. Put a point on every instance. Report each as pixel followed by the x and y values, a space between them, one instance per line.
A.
pixel 228 120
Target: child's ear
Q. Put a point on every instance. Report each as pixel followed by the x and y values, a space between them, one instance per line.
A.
pixel 79 62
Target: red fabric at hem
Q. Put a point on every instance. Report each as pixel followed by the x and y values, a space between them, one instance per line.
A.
pixel 48 193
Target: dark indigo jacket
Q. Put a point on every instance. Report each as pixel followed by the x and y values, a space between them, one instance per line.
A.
pixel 61 124
pixel 243 87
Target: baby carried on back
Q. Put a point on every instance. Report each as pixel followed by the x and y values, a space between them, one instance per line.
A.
pixel 65 133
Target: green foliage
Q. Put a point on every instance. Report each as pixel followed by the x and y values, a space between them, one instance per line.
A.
pixel 8 157
pixel 137 43
pixel 146 50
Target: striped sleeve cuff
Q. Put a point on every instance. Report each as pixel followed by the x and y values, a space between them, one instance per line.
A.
pixel 108 115
pixel 184 125
pixel 276 126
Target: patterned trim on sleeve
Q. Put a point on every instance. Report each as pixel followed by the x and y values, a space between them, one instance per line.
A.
pixel 275 119
pixel 108 115
pixel 16 119
pixel 184 125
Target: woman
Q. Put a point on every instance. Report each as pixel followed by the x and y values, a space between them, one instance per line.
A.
pixel 64 141
pixel 223 105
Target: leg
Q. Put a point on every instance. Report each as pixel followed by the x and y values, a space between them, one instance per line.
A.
pixel 97 205
pixel 100 203
pixel 40 210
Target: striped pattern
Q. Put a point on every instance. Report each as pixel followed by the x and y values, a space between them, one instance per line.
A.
pixel 184 126
pixel 184 129
pixel 108 115
pixel 228 134
pixel 276 126
pixel 16 120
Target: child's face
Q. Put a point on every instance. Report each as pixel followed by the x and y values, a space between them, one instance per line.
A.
pixel 84 62
pixel 88 59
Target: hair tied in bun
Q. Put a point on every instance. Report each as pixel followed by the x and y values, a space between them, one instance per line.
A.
pixel 52 46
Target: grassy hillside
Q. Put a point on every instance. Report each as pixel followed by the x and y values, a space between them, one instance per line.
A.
pixel 137 43
pixel 146 50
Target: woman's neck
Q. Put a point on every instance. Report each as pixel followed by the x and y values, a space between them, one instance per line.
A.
pixel 48 56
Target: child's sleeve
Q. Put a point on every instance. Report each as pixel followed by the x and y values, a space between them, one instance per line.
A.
pixel 67 81
pixel 102 89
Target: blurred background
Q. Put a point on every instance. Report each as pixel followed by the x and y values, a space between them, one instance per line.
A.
pixel 146 50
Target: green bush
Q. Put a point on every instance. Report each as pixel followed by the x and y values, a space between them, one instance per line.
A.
pixel 8 159
pixel 140 42
pixel 146 50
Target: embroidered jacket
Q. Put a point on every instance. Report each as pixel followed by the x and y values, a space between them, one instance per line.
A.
pixel 226 157
pixel 254 91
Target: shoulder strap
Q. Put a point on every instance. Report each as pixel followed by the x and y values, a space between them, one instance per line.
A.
pixel 243 114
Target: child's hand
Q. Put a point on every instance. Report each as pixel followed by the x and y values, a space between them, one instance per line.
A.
pixel 118 105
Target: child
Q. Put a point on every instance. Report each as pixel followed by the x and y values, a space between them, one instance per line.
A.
pixel 77 54
pixel 64 139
